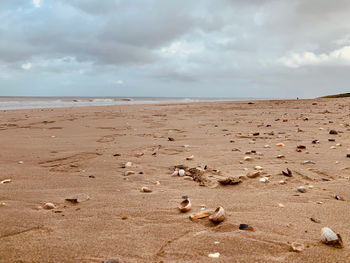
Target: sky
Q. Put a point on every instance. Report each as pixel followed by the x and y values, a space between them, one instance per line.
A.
pixel 182 48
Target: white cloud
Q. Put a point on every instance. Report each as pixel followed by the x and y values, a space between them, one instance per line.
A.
pixel 334 58
pixel 27 66
pixel 120 82
pixel 36 3
pixel 181 48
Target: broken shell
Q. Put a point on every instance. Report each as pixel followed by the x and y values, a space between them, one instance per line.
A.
pixel 145 189
pixel 280 156
pixel 200 215
pixel 282 182
pixel 214 255
pixel 185 205
pixel 6 181
pixel 280 144
pixel 297 247
pixel 181 172
pixel 49 206
pixel 190 157
pixel 218 216
pixel 330 238
pixel 247 158
pixel 175 173
pixel 128 164
pixel 281 205
pixel 267 146
pixel 78 198
pixel 128 173
pixel 258 167
pixel 264 180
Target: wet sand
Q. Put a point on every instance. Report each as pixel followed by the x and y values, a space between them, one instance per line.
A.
pixel 52 154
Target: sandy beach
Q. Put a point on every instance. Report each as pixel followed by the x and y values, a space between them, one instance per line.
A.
pixel 50 155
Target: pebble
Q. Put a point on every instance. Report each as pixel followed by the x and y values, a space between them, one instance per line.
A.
pixel 264 180
pixel 214 255
pixel 267 146
pixel 280 144
pixel 281 205
pixel 188 178
pixel 302 189
pixel 189 158
pixel 258 168
pixel 254 174
pixel 333 147
pixel 128 164
pixel 282 182
pixel 333 132
pixel 280 156
pixel 247 158
pixel 2 204
pixel 21 162
pixel 181 172
pixel 145 189
pixel 49 206
pixel 245 227
pixel 127 173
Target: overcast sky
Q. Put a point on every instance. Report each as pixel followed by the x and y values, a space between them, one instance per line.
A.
pixel 202 48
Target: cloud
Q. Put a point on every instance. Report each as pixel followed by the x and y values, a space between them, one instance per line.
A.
pixel 334 58
pixel 27 66
pixel 36 3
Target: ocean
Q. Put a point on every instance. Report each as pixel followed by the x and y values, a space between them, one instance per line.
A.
pixel 15 103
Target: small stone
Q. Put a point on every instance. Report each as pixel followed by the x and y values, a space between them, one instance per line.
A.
pixel 124 217
pixel 264 180
pixel 280 156
pixel 348 155
pixel 333 132
pixel 301 189
pixel 333 147
pixel 338 197
pixel 21 162
pixel 91 176
pixel 145 189
pixel 2 204
pixel 258 168
pixel 297 247
pixel 282 182
pixel 301 146
pixel 79 198
pixel 171 139
pixel 49 206
pixel 127 173
pixel 315 220
pixel 188 178
pixel 247 158
pixel 254 174
pixel 189 158
pixel 281 205
pixel 267 146
pixel 245 227
pixel 280 144
pixel 214 255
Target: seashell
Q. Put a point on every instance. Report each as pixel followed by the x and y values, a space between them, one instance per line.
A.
pixel 185 205
pixel 332 147
pixel 190 157
pixel 288 173
pixel 282 182
pixel 200 215
pixel 280 156
pixel 308 162
pixel 181 172
pixel 145 189
pixel 280 144
pixel 6 181
pixel 267 146
pixel 78 198
pixel 301 146
pixel 247 158
pixel 338 144
pixel 258 167
pixel 186 146
pixel 128 173
pixel 328 237
pixel 297 247
pixel 281 205
pixel 251 142
pixel 338 197
pixel 188 178
pixel 171 139
pixel 20 162
pixel 218 216
pixel 48 206
pixel 128 164
pixel 301 189
pixel 264 180
pixel 175 173
pixel 214 255
pixel 2 204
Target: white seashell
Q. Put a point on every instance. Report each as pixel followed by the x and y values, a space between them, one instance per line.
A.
pixel 267 146
pixel 332 147
pixel 282 182
pixel 181 172
pixel 218 216
pixel 190 157
pixel 280 156
pixel 49 206
pixel 258 168
pixel 128 173
pixel 251 142
pixel 145 189
pixel 338 144
pixel 175 173
pixel 21 162
pixel 128 164
pixel 247 158
pixel 264 179
pixel 188 178
pixel 2 204
pixel 6 181
pixel 330 238
pixel 185 206
pixel 186 146
pixel 301 189
pixel 281 205
pixel 297 247
pixel 214 255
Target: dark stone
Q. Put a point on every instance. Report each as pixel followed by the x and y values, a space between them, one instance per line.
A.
pixel 333 132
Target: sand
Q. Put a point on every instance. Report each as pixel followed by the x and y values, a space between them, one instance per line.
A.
pixel 51 154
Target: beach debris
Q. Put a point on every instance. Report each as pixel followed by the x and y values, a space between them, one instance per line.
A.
pixel 253 174
pixel 264 180
pixel 20 162
pixel 297 247
pixel 331 140
pixel 288 173
pixel 49 206
pixel 175 173
pixel 200 215
pixel 328 237
pixel 281 205
pixel 127 173
pixel 315 141
pixel 182 172
pixel 79 198
pixel 218 216
pixel 145 189
pixel 301 189
pixel 91 176
pixel 247 158
pixel 280 156
pixel 236 150
pixel 301 146
pixel 315 220
pixel 230 181
pixel 113 260
pixel 188 178
pixel 117 154
pixel 348 155
pixel 6 181
pixel 338 197
pixel 256 134
pixel 258 167
pixel 214 255
pixel 185 205
pixel 333 132
pixel 245 227
pixel 171 139
pixel 282 182
pixel 332 147
pixel 189 158
pixel 280 144
pixel 308 162
pixel 338 145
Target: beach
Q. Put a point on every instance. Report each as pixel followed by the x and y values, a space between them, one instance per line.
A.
pixel 50 155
